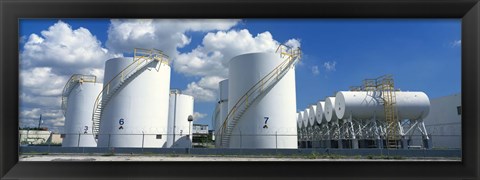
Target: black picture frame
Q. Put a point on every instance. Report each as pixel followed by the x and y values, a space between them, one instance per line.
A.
pixel 468 10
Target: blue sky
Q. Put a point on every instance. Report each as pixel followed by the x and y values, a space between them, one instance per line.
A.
pixel 422 55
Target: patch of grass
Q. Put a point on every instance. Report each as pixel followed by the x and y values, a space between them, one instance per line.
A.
pixel 314 155
pixel 384 157
pixel 148 153
pixel 109 154
pixel 173 155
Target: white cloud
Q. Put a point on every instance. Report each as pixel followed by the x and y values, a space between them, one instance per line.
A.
pixel 200 93
pixel 198 116
pixel 315 70
pixel 293 43
pixel 63 47
pixel 456 43
pixel 47 60
pixel 30 100
pixel 330 66
pixel 164 34
pixel 210 59
pixel 41 81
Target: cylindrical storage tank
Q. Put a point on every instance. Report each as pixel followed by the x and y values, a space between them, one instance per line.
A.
pixel 223 103
pixel 312 114
pixel 330 109
pixel 269 122
pixel 366 105
pixel 78 116
pixel 179 128
pixel 137 114
pixel 223 89
pixel 320 115
pixel 300 119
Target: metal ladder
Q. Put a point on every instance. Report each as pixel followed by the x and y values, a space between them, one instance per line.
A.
pixel 291 57
pixel 71 83
pixel 391 115
pixel 141 58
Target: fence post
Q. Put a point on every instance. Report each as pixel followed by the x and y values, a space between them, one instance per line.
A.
pixel 109 140
pixel 50 142
pixel 240 139
pixel 276 141
pixel 78 140
pixel 143 140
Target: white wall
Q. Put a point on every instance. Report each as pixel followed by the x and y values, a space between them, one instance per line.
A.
pixel 444 123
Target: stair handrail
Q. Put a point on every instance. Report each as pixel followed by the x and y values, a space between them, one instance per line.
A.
pixel 276 72
pixel 72 81
pixel 140 55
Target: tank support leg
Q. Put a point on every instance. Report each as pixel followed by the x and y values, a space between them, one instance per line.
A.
pixel 328 143
pixel 404 142
pixel 426 139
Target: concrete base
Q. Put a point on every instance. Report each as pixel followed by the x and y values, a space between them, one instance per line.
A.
pixel 379 143
pixel 328 143
pixel 404 143
pixel 427 143
pixel 354 143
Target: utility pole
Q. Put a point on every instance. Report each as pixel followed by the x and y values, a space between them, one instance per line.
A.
pixel 40 121
pixel 190 119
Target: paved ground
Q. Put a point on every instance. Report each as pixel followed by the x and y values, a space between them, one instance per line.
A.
pixel 60 157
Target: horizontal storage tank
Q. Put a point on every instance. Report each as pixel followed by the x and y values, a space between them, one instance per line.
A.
pixel 78 115
pixel 312 114
pixel 137 113
pixel 305 117
pixel 320 115
pixel 299 123
pixel 300 119
pixel 269 122
pixel 366 105
pixel 330 109
pixel 179 128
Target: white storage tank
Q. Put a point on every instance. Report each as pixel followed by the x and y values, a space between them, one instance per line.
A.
pixel 78 115
pixel 330 109
pixel 306 116
pixel 298 124
pixel 137 114
pixel 300 119
pixel 312 115
pixel 366 105
pixel 179 128
pixel 320 115
pixel 269 122
pixel 223 89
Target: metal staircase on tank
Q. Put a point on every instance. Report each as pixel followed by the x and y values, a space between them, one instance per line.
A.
pixel 141 58
pixel 386 86
pixel 291 57
pixel 71 83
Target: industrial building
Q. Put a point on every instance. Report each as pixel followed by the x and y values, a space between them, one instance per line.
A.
pixel 200 136
pixel 39 137
pixel 444 123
